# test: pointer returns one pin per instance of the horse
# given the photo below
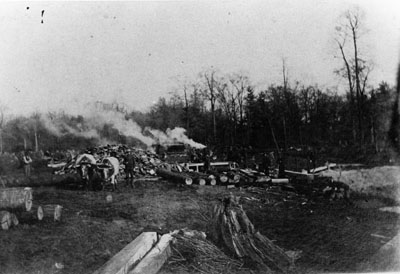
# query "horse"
(109, 170)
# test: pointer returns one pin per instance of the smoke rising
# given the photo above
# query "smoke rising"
(96, 116)
(171, 136)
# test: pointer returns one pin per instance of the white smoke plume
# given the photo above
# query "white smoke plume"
(125, 127)
(59, 127)
(175, 135)
(97, 115)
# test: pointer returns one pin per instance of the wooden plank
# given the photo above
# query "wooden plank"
(130, 255)
(322, 168)
(156, 258)
(299, 174)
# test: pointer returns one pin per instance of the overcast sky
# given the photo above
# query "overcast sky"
(131, 52)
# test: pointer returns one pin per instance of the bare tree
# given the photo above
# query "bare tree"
(212, 97)
(241, 84)
(356, 69)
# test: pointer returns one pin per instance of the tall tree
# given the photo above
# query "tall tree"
(356, 69)
(212, 97)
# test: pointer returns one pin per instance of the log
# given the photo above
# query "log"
(174, 176)
(5, 219)
(198, 177)
(280, 181)
(211, 180)
(16, 198)
(155, 259)
(42, 180)
(32, 216)
(233, 177)
(14, 219)
(322, 168)
(49, 211)
(231, 228)
(221, 178)
(299, 175)
(130, 255)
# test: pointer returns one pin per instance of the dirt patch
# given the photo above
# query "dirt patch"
(93, 229)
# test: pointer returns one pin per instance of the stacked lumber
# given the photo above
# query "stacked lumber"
(232, 229)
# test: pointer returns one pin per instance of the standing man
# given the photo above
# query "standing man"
(266, 163)
(206, 158)
(130, 168)
(27, 163)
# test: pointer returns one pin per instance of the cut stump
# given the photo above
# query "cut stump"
(5, 220)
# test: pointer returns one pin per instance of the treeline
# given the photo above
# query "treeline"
(228, 110)
(224, 111)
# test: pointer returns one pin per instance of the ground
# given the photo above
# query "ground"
(332, 235)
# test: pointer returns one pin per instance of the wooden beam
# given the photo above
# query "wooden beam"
(156, 258)
(130, 255)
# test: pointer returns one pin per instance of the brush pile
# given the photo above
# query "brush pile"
(193, 253)
(231, 228)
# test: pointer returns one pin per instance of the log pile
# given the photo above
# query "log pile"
(252, 177)
(175, 177)
(19, 202)
(232, 229)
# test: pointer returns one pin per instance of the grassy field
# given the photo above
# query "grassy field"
(333, 236)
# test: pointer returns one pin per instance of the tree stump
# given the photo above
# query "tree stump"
(16, 197)
(14, 219)
(5, 220)
(231, 228)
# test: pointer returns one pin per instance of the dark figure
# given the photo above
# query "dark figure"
(206, 159)
(130, 168)
(266, 163)
(281, 166)
(27, 160)
(310, 159)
